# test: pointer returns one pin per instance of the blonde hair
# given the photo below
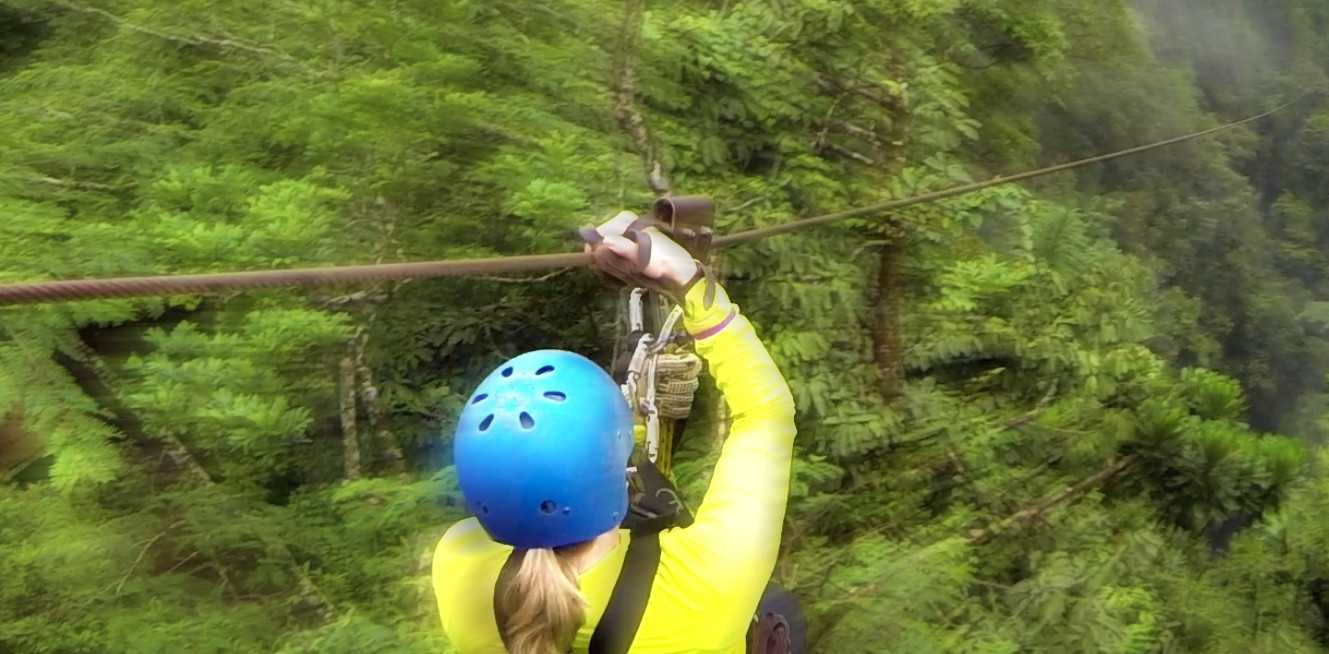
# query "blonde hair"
(540, 608)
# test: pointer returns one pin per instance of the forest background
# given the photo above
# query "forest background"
(1084, 414)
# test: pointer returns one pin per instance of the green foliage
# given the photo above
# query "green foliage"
(1091, 360)
(1212, 396)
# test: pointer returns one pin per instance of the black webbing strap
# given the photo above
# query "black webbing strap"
(655, 504)
(627, 604)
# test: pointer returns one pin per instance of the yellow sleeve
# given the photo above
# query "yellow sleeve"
(726, 557)
(466, 568)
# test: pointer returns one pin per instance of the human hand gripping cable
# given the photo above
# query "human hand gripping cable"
(636, 252)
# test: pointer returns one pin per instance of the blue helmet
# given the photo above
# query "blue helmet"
(542, 451)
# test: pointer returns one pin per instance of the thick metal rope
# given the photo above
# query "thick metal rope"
(883, 207)
(84, 289)
(87, 289)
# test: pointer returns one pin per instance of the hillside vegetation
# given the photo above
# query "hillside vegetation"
(1083, 414)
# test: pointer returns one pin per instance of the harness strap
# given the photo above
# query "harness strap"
(618, 626)
(655, 503)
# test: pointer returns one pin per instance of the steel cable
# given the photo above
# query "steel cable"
(87, 289)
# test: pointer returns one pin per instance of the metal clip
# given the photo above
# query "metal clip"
(636, 310)
(639, 383)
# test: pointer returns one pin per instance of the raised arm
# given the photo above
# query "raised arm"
(739, 521)
(741, 515)
(714, 571)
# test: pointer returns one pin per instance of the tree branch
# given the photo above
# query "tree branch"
(523, 280)
(142, 553)
(1037, 509)
(55, 181)
(861, 158)
(372, 295)
(185, 39)
(126, 24)
(383, 447)
(183, 561)
(626, 112)
(175, 449)
(887, 102)
(388, 451)
(1033, 413)
(748, 203)
(350, 433)
(859, 131)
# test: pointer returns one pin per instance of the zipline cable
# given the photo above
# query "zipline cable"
(87, 289)
(883, 207)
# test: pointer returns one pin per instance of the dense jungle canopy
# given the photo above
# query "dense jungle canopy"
(1082, 414)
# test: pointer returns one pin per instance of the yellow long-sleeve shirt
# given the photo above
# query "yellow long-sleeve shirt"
(711, 573)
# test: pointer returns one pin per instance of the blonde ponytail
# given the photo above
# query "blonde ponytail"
(540, 608)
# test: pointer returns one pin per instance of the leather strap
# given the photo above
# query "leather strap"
(703, 274)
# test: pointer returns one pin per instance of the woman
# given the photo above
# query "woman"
(542, 453)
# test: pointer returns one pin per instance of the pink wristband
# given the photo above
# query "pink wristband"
(712, 331)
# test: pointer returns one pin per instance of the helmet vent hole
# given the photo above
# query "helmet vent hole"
(480, 398)
(548, 506)
(544, 370)
(526, 420)
(484, 424)
(484, 509)
(557, 396)
(507, 372)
